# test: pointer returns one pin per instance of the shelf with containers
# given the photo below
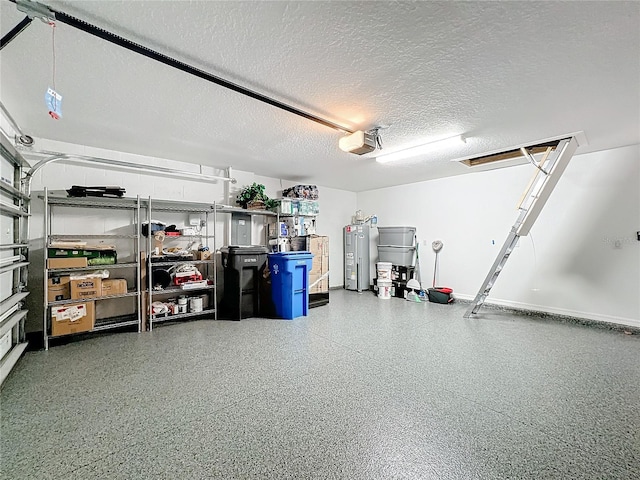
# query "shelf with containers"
(295, 218)
(15, 211)
(180, 279)
(91, 280)
(299, 230)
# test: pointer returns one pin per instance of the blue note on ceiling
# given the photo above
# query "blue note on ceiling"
(54, 103)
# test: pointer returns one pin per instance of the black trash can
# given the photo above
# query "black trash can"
(243, 273)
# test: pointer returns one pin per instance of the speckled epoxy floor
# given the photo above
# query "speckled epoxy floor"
(360, 389)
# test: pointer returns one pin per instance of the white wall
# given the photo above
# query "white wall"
(336, 206)
(581, 258)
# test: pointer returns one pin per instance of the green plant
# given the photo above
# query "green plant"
(270, 203)
(250, 193)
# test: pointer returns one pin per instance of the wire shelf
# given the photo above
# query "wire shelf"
(178, 316)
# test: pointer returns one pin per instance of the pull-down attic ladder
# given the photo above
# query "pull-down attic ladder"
(548, 172)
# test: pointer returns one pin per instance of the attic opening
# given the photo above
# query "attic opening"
(510, 154)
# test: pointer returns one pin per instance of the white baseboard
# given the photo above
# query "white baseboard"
(632, 322)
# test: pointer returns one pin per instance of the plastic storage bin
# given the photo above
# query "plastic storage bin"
(401, 236)
(290, 283)
(243, 267)
(396, 255)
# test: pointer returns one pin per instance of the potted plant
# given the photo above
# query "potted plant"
(271, 204)
(252, 197)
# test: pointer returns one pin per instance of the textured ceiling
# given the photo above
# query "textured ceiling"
(502, 73)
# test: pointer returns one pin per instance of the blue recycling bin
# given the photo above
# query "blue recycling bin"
(290, 283)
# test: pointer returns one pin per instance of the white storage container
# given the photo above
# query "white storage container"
(384, 289)
(383, 270)
(397, 255)
(400, 236)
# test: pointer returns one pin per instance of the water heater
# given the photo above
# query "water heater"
(356, 257)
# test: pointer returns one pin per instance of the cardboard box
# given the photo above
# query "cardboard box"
(322, 286)
(5, 344)
(58, 288)
(74, 262)
(206, 255)
(114, 286)
(58, 280)
(73, 318)
(319, 264)
(319, 247)
(86, 288)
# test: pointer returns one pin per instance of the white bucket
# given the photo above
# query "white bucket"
(384, 270)
(195, 304)
(384, 289)
(182, 305)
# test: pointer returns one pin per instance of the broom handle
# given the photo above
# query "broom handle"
(435, 268)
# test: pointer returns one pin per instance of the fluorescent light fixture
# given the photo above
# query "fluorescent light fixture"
(358, 142)
(420, 149)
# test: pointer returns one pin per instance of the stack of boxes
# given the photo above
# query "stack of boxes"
(73, 317)
(319, 247)
(80, 316)
(396, 245)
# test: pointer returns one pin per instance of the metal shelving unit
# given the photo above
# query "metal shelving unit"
(297, 215)
(15, 211)
(209, 211)
(317, 298)
(133, 205)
